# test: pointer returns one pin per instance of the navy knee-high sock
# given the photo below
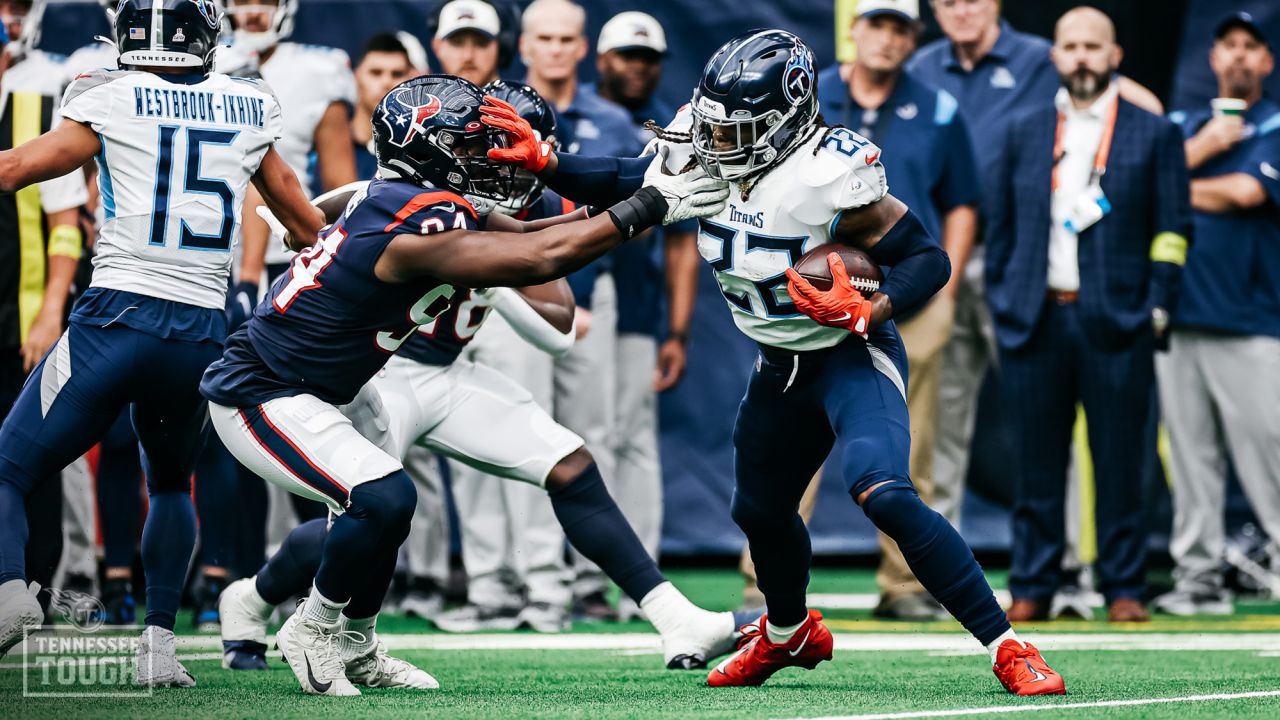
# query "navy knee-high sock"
(119, 491)
(290, 571)
(377, 508)
(217, 504)
(596, 528)
(13, 533)
(781, 551)
(939, 557)
(168, 539)
(251, 549)
(44, 528)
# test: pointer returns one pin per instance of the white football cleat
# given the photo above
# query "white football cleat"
(244, 626)
(19, 609)
(156, 663)
(311, 650)
(377, 669)
(701, 636)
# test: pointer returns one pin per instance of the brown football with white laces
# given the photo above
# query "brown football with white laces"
(864, 273)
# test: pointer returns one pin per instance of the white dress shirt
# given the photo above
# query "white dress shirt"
(1081, 134)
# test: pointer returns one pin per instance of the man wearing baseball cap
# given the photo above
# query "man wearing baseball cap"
(934, 172)
(466, 40)
(1220, 381)
(629, 55)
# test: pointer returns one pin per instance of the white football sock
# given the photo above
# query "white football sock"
(780, 634)
(349, 645)
(667, 608)
(993, 647)
(259, 606)
(321, 609)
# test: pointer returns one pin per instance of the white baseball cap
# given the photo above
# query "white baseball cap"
(468, 15)
(908, 10)
(631, 30)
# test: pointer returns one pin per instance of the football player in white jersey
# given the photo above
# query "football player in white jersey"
(831, 370)
(177, 147)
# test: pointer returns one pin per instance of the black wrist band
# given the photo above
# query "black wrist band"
(680, 337)
(639, 212)
(594, 210)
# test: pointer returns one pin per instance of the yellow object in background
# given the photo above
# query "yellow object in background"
(846, 11)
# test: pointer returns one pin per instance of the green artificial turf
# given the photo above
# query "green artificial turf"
(608, 684)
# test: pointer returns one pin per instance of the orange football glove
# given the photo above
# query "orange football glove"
(527, 150)
(840, 307)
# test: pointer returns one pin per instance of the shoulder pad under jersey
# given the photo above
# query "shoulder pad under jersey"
(842, 172)
(88, 80)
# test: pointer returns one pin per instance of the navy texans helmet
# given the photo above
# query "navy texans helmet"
(427, 130)
(757, 96)
(526, 187)
(167, 33)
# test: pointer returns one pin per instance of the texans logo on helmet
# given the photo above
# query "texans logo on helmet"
(404, 120)
(797, 79)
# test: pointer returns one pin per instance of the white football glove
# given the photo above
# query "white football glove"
(689, 195)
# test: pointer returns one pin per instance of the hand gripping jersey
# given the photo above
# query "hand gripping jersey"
(307, 79)
(329, 324)
(178, 152)
(791, 210)
(442, 340)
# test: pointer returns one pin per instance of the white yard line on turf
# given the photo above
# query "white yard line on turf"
(941, 643)
(1006, 709)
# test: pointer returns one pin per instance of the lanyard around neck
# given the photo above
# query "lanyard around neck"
(1104, 144)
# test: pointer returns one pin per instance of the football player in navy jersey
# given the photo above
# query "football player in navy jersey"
(402, 254)
(832, 369)
(475, 414)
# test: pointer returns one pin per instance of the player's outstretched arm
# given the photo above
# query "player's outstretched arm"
(473, 258)
(892, 235)
(283, 195)
(60, 151)
(586, 180)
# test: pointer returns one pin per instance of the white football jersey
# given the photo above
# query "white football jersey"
(790, 211)
(175, 163)
(307, 79)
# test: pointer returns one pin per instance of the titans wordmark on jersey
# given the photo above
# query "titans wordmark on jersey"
(791, 210)
(176, 160)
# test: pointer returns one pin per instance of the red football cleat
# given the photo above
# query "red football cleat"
(1023, 671)
(758, 658)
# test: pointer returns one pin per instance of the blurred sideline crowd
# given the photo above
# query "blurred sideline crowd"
(1119, 266)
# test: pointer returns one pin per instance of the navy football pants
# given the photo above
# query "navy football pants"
(797, 407)
(68, 404)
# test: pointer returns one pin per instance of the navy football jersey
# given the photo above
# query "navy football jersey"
(329, 324)
(441, 341)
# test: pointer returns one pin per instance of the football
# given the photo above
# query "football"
(864, 273)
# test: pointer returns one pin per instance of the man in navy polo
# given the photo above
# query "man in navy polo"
(929, 156)
(993, 71)
(1220, 380)
(651, 273)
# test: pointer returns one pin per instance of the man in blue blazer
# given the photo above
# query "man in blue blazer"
(1085, 246)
